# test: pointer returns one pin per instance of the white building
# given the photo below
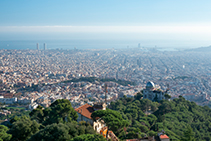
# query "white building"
(33, 106)
(8, 100)
(25, 101)
(151, 93)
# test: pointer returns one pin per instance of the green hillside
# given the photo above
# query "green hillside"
(176, 117)
(128, 118)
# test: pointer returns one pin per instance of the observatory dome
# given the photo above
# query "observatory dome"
(150, 85)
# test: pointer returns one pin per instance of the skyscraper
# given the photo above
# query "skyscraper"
(37, 46)
(139, 45)
(44, 46)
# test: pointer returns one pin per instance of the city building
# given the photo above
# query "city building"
(8, 100)
(33, 106)
(37, 46)
(44, 46)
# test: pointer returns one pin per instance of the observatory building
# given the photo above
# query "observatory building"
(151, 93)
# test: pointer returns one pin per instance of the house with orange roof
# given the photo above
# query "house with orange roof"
(164, 137)
(84, 114)
(160, 137)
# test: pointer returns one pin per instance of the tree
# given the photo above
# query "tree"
(167, 96)
(53, 132)
(89, 137)
(60, 110)
(188, 135)
(152, 133)
(156, 98)
(37, 114)
(14, 119)
(62, 132)
(63, 109)
(138, 96)
(76, 129)
(3, 133)
(23, 129)
(113, 119)
(133, 133)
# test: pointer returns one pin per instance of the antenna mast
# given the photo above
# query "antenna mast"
(167, 88)
(106, 93)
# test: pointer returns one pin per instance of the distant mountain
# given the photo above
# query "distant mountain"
(201, 49)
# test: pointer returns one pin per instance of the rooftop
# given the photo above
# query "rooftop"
(85, 110)
(150, 85)
(164, 137)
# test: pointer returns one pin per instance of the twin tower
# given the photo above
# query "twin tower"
(44, 46)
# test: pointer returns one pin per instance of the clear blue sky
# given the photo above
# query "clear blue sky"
(111, 19)
(102, 12)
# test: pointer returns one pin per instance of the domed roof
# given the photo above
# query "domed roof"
(150, 84)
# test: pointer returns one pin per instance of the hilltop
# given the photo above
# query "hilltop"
(201, 49)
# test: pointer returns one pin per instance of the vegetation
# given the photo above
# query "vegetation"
(15, 111)
(59, 111)
(89, 137)
(58, 122)
(3, 133)
(23, 129)
(113, 120)
(93, 79)
(181, 77)
(132, 110)
(128, 118)
(181, 119)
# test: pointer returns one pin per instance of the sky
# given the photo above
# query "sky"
(173, 20)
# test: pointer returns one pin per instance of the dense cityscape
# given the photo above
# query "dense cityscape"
(41, 76)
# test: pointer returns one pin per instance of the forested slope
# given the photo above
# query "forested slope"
(177, 117)
(128, 118)
(55, 123)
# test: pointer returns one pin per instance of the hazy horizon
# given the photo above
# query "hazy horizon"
(173, 24)
(99, 44)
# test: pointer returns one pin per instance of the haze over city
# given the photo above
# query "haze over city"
(169, 24)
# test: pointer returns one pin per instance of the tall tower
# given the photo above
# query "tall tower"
(139, 45)
(37, 46)
(106, 93)
(44, 46)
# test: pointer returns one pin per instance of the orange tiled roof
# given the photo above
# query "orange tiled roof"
(164, 137)
(85, 110)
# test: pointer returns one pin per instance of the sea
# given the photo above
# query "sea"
(90, 44)
(64, 44)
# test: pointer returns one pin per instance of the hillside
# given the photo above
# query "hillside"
(128, 118)
(175, 117)
(201, 49)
